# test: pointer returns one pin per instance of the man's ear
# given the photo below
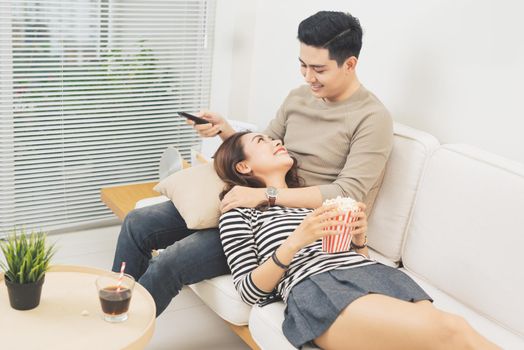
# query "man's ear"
(350, 64)
(242, 167)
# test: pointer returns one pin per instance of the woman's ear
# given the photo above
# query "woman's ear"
(242, 167)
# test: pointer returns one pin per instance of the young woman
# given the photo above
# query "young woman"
(337, 301)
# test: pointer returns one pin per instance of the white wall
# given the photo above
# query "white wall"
(232, 63)
(451, 68)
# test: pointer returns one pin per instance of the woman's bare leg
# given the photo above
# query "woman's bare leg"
(381, 322)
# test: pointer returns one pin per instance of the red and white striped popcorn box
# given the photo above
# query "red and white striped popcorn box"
(341, 242)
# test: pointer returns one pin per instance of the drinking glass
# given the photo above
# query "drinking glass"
(115, 294)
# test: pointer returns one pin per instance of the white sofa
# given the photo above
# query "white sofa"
(451, 217)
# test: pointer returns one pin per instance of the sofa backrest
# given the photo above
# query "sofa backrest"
(392, 209)
(466, 235)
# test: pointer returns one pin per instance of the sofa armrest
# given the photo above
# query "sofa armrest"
(123, 198)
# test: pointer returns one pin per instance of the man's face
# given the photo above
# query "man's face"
(326, 79)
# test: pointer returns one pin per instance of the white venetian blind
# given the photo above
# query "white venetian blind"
(89, 91)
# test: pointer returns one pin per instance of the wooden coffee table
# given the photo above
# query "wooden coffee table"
(69, 316)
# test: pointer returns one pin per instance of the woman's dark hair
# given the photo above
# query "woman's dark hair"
(338, 32)
(230, 153)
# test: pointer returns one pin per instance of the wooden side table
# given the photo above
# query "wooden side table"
(70, 317)
(122, 199)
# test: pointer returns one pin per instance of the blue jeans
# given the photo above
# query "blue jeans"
(190, 256)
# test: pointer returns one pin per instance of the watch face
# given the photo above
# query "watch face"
(271, 192)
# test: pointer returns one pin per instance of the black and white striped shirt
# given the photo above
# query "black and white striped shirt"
(249, 237)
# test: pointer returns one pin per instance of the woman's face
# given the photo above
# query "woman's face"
(265, 156)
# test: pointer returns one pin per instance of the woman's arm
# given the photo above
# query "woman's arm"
(267, 275)
(359, 229)
(236, 235)
(254, 281)
(361, 240)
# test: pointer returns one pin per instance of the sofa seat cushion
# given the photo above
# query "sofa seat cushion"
(265, 323)
(265, 326)
(489, 328)
(392, 209)
(466, 233)
(220, 295)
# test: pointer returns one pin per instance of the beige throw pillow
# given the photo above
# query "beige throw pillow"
(194, 191)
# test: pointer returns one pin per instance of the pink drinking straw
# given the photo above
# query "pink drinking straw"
(121, 276)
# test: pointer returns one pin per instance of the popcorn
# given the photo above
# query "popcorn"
(341, 242)
(344, 203)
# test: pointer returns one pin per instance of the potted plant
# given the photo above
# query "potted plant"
(26, 262)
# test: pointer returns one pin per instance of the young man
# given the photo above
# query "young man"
(339, 131)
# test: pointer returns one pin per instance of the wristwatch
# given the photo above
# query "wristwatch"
(271, 194)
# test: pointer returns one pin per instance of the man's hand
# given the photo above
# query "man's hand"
(245, 197)
(217, 125)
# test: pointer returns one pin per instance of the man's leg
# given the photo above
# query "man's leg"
(198, 257)
(153, 227)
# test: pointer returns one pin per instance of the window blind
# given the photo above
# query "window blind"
(89, 92)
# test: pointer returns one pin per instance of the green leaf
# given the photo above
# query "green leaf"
(26, 256)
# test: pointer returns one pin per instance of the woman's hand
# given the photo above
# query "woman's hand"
(217, 125)
(315, 226)
(359, 227)
(245, 197)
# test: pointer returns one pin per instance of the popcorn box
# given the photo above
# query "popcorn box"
(341, 242)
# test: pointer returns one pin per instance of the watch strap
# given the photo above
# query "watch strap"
(271, 194)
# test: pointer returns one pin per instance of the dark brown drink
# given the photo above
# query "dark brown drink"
(114, 302)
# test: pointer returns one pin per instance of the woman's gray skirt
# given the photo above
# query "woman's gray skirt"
(315, 303)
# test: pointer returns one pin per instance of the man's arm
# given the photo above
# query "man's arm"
(240, 196)
(369, 151)
(276, 128)
(304, 197)
(218, 125)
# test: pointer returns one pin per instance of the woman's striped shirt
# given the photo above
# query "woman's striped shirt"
(250, 236)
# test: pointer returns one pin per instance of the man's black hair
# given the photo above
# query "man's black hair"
(338, 32)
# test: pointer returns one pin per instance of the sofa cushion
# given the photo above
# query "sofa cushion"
(221, 296)
(194, 192)
(466, 233)
(265, 326)
(389, 219)
(493, 331)
(150, 201)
